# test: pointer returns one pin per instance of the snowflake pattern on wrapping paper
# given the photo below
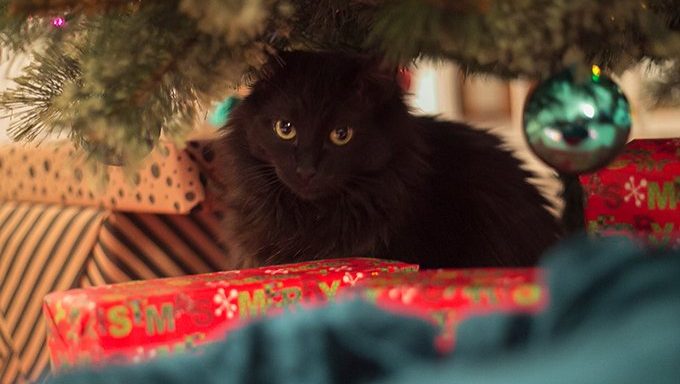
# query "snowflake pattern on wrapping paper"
(605, 220)
(79, 300)
(142, 354)
(645, 161)
(278, 271)
(139, 355)
(225, 303)
(405, 294)
(351, 280)
(594, 186)
(218, 284)
(635, 191)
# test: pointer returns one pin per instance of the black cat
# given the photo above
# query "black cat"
(323, 160)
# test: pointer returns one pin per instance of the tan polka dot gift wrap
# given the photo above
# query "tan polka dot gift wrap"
(167, 182)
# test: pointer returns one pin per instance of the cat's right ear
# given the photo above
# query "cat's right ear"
(377, 79)
(259, 80)
(377, 68)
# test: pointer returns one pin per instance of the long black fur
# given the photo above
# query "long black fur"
(436, 193)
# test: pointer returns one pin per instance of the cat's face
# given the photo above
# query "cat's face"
(323, 123)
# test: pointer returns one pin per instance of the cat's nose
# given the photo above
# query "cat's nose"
(305, 173)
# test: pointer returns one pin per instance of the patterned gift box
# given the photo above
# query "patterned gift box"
(168, 180)
(140, 320)
(637, 194)
(447, 297)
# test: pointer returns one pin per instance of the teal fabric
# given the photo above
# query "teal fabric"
(614, 317)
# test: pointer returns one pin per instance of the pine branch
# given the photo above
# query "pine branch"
(24, 8)
(142, 94)
(31, 105)
(121, 70)
(663, 89)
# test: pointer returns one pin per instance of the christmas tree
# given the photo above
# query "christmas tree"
(115, 73)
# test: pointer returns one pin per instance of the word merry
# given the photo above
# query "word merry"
(260, 301)
(160, 318)
(663, 195)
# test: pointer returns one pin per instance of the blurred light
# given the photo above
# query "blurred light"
(58, 22)
(588, 110)
(425, 92)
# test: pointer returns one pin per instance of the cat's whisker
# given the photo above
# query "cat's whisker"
(255, 173)
(258, 170)
(283, 246)
(261, 174)
(366, 180)
(302, 252)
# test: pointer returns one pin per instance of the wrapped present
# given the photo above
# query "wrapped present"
(168, 181)
(638, 193)
(139, 320)
(67, 223)
(447, 297)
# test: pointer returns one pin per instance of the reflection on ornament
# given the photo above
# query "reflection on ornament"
(588, 110)
(577, 126)
(58, 22)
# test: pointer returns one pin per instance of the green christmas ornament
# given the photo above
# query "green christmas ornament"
(577, 126)
(220, 114)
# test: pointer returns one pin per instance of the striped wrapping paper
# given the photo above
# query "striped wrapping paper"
(48, 248)
(43, 248)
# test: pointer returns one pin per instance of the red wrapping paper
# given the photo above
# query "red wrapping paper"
(136, 321)
(638, 194)
(447, 297)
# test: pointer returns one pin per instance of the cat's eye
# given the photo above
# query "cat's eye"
(284, 129)
(342, 135)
